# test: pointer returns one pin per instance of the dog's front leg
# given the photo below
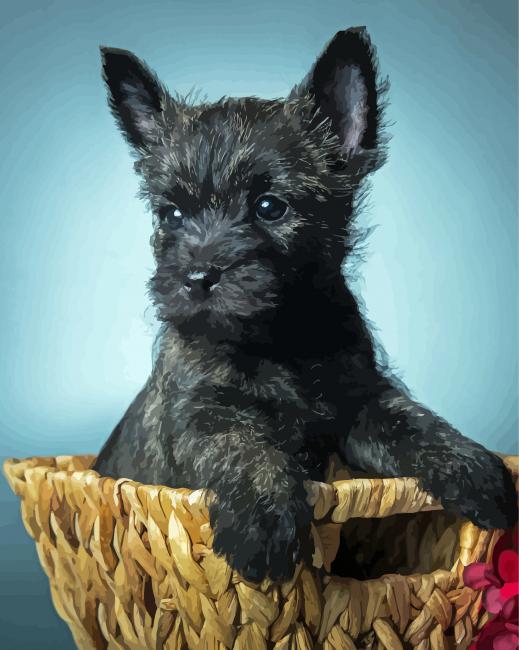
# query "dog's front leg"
(259, 515)
(395, 436)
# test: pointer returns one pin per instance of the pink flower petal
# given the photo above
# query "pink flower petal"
(510, 540)
(480, 576)
(485, 639)
(506, 641)
(510, 612)
(509, 590)
(492, 600)
(508, 566)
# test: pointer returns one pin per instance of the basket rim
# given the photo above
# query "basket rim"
(339, 500)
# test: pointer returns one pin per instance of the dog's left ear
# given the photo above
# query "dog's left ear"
(135, 95)
(343, 87)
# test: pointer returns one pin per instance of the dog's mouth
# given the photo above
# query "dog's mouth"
(200, 285)
(221, 293)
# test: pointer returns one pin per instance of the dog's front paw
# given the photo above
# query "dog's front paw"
(479, 487)
(260, 544)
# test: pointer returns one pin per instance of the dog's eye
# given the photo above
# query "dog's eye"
(172, 215)
(270, 208)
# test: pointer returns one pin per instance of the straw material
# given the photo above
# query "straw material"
(130, 566)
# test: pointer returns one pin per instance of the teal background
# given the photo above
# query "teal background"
(440, 280)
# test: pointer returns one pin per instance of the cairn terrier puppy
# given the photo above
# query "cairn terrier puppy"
(265, 365)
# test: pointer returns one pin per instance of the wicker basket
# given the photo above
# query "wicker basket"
(131, 566)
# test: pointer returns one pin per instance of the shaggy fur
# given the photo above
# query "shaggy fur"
(265, 365)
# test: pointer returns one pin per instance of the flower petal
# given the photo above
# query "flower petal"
(488, 633)
(480, 576)
(508, 566)
(506, 641)
(492, 600)
(510, 612)
(509, 540)
(509, 590)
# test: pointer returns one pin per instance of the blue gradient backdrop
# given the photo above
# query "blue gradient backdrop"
(440, 280)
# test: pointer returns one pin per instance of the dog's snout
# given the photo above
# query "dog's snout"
(199, 284)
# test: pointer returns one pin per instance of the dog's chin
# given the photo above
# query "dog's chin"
(202, 320)
(206, 322)
(212, 323)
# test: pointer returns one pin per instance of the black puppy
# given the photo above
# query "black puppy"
(265, 365)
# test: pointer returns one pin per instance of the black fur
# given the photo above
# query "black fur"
(255, 385)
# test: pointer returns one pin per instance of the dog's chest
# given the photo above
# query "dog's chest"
(290, 399)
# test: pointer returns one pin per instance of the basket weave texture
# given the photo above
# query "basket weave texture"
(130, 566)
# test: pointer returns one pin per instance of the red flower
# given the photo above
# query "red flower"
(502, 632)
(500, 584)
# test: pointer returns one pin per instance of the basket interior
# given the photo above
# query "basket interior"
(406, 544)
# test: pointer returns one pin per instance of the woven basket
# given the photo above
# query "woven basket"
(131, 566)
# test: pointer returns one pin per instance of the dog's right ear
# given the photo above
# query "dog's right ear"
(135, 95)
(342, 85)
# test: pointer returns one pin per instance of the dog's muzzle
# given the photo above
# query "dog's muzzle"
(199, 284)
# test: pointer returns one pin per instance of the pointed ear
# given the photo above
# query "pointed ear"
(135, 95)
(343, 87)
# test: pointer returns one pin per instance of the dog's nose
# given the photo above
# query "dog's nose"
(199, 284)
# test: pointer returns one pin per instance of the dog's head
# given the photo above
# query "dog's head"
(251, 197)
